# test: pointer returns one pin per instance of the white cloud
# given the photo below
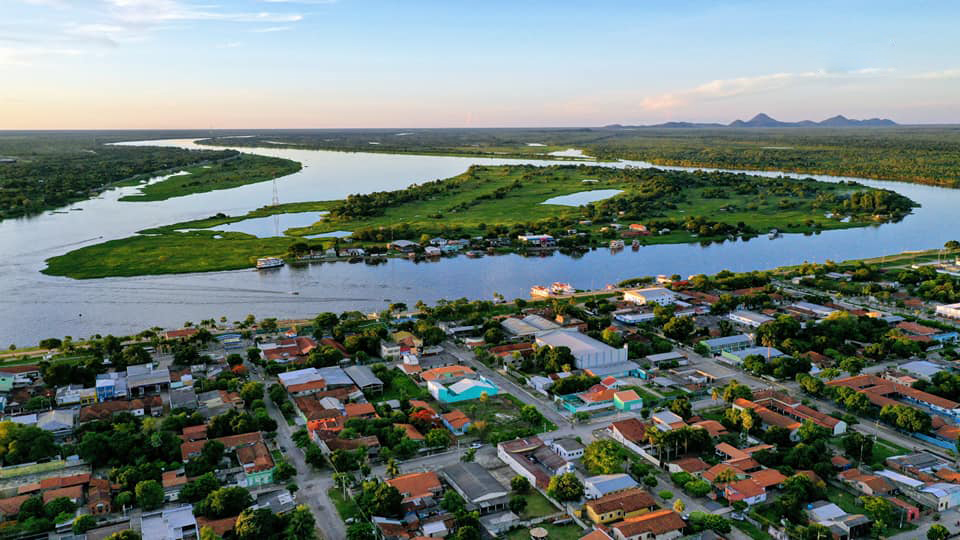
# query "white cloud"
(160, 11)
(271, 29)
(935, 75)
(727, 88)
(25, 56)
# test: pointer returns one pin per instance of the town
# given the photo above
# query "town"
(814, 402)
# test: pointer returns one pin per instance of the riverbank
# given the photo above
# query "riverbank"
(494, 205)
(225, 174)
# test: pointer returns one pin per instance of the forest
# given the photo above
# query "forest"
(43, 171)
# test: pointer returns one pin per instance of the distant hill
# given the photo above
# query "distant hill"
(765, 121)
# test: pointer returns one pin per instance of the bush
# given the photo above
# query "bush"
(681, 478)
(697, 488)
(665, 494)
(650, 480)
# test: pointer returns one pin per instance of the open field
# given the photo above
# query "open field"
(556, 532)
(239, 171)
(506, 201)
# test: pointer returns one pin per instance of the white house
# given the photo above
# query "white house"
(951, 311)
(649, 296)
(749, 318)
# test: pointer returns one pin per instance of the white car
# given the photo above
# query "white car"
(476, 445)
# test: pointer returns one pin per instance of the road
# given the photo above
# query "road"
(313, 486)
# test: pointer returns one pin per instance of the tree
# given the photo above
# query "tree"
(23, 443)
(735, 390)
(938, 532)
(381, 499)
(724, 477)
(393, 470)
(603, 456)
(300, 525)
(437, 438)
(256, 524)
(681, 406)
(125, 535)
(520, 484)
(207, 533)
(149, 494)
(361, 530)
(679, 328)
(223, 502)
(84, 523)
(452, 502)
(565, 487)
(697, 488)
(251, 391)
(284, 471)
(199, 487)
(469, 455)
(679, 506)
(60, 505)
(858, 446)
(517, 504)
(124, 499)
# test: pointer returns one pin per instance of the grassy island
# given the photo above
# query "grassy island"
(498, 203)
(230, 173)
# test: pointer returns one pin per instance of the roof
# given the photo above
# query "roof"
(65, 481)
(713, 427)
(656, 523)
(465, 385)
(230, 442)
(731, 451)
(627, 501)
(726, 340)
(72, 492)
(627, 396)
(596, 534)
(363, 376)
(768, 477)
(877, 484)
(743, 489)
(632, 429)
(575, 341)
(219, 526)
(473, 481)
(456, 418)
(609, 483)
(417, 485)
(359, 409)
(410, 431)
(446, 372)
(568, 444)
(917, 329)
(255, 458)
(692, 464)
(164, 524)
(174, 478)
(11, 505)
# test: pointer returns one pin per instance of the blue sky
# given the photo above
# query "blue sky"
(410, 63)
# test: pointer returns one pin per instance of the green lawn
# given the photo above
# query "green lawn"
(556, 532)
(537, 506)
(846, 501)
(345, 507)
(400, 387)
(751, 530)
(226, 174)
(501, 416)
(884, 449)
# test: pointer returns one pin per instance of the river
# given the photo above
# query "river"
(38, 306)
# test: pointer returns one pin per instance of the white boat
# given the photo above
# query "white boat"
(269, 262)
(616, 244)
(540, 291)
(562, 288)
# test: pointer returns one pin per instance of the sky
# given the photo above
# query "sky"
(231, 64)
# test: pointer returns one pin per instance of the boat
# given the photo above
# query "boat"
(269, 262)
(475, 254)
(773, 233)
(616, 244)
(562, 288)
(635, 244)
(540, 291)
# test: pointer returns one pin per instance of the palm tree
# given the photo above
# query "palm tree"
(393, 470)
(341, 481)
(724, 477)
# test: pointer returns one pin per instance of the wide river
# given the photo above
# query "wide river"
(36, 306)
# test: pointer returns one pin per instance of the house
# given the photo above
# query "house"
(10, 506)
(620, 504)
(257, 463)
(870, 484)
(919, 330)
(782, 404)
(739, 356)
(174, 524)
(411, 432)
(650, 296)
(173, 482)
(950, 311)
(533, 460)
(462, 390)
(746, 490)
(479, 489)
(691, 465)
(537, 240)
(810, 310)
(359, 410)
(657, 525)
(567, 448)
(844, 526)
(595, 487)
(403, 246)
(882, 392)
(457, 422)
(667, 420)
(419, 490)
(627, 400)
(631, 433)
(287, 350)
(184, 398)
(303, 382)
(60, 422)
(447, 374)
(945, 495)
(144, 380)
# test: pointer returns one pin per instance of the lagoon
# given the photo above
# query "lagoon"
(583, 197)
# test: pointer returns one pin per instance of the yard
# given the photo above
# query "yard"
(884, 449)
(499, 418)
(751, 530)
(537, 506)
(397, 385)
(556, 532)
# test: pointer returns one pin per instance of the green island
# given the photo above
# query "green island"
(919, 154)
(229, 173)
(491, 206)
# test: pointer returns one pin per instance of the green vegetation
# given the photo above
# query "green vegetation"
(346, 506)
(55, 169)
(505, 201)
(556, 532)
(537, 506)
(926, 155)
(242, 170)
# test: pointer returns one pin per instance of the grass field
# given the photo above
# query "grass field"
(751, 530)
(345, 507)
(226, 174)
(537, 506)
(508, 197)
(556, 532)
(884, 449)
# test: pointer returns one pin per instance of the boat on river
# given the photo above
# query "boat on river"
(264, 263)
(616, 244)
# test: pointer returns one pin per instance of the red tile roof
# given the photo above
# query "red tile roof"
(457, 419)
(417, 485)
(655, 523)
(354, 410)
(11, 505)
(72, 492)
(446, 372)
(255, 458)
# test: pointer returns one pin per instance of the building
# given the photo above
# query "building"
(479, 489)
(728, 343)
(567, 448)
(918, 330)
(60, 422)
(419, 490)
(671, 358)
(650, 296)
(595, 487)
(882, 392)
(403, 246)
(527, 326)
(287, 350)
(588, 352)
(922, 369)
(737, 357)
(144, 380)
(111, 385)
(658, 525)
(746, 490)
(457, 422)
(946, 495)
(627, 400)
(785, 405)
(364, 378)
(537, 240)
(251, 452)
(76, 394)
(462, 390)
(447, 374)
(631, 433)
(174, 524)
(749, 318)
(533, 460)
(811, 310)
(950, 311)
(303, 382)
